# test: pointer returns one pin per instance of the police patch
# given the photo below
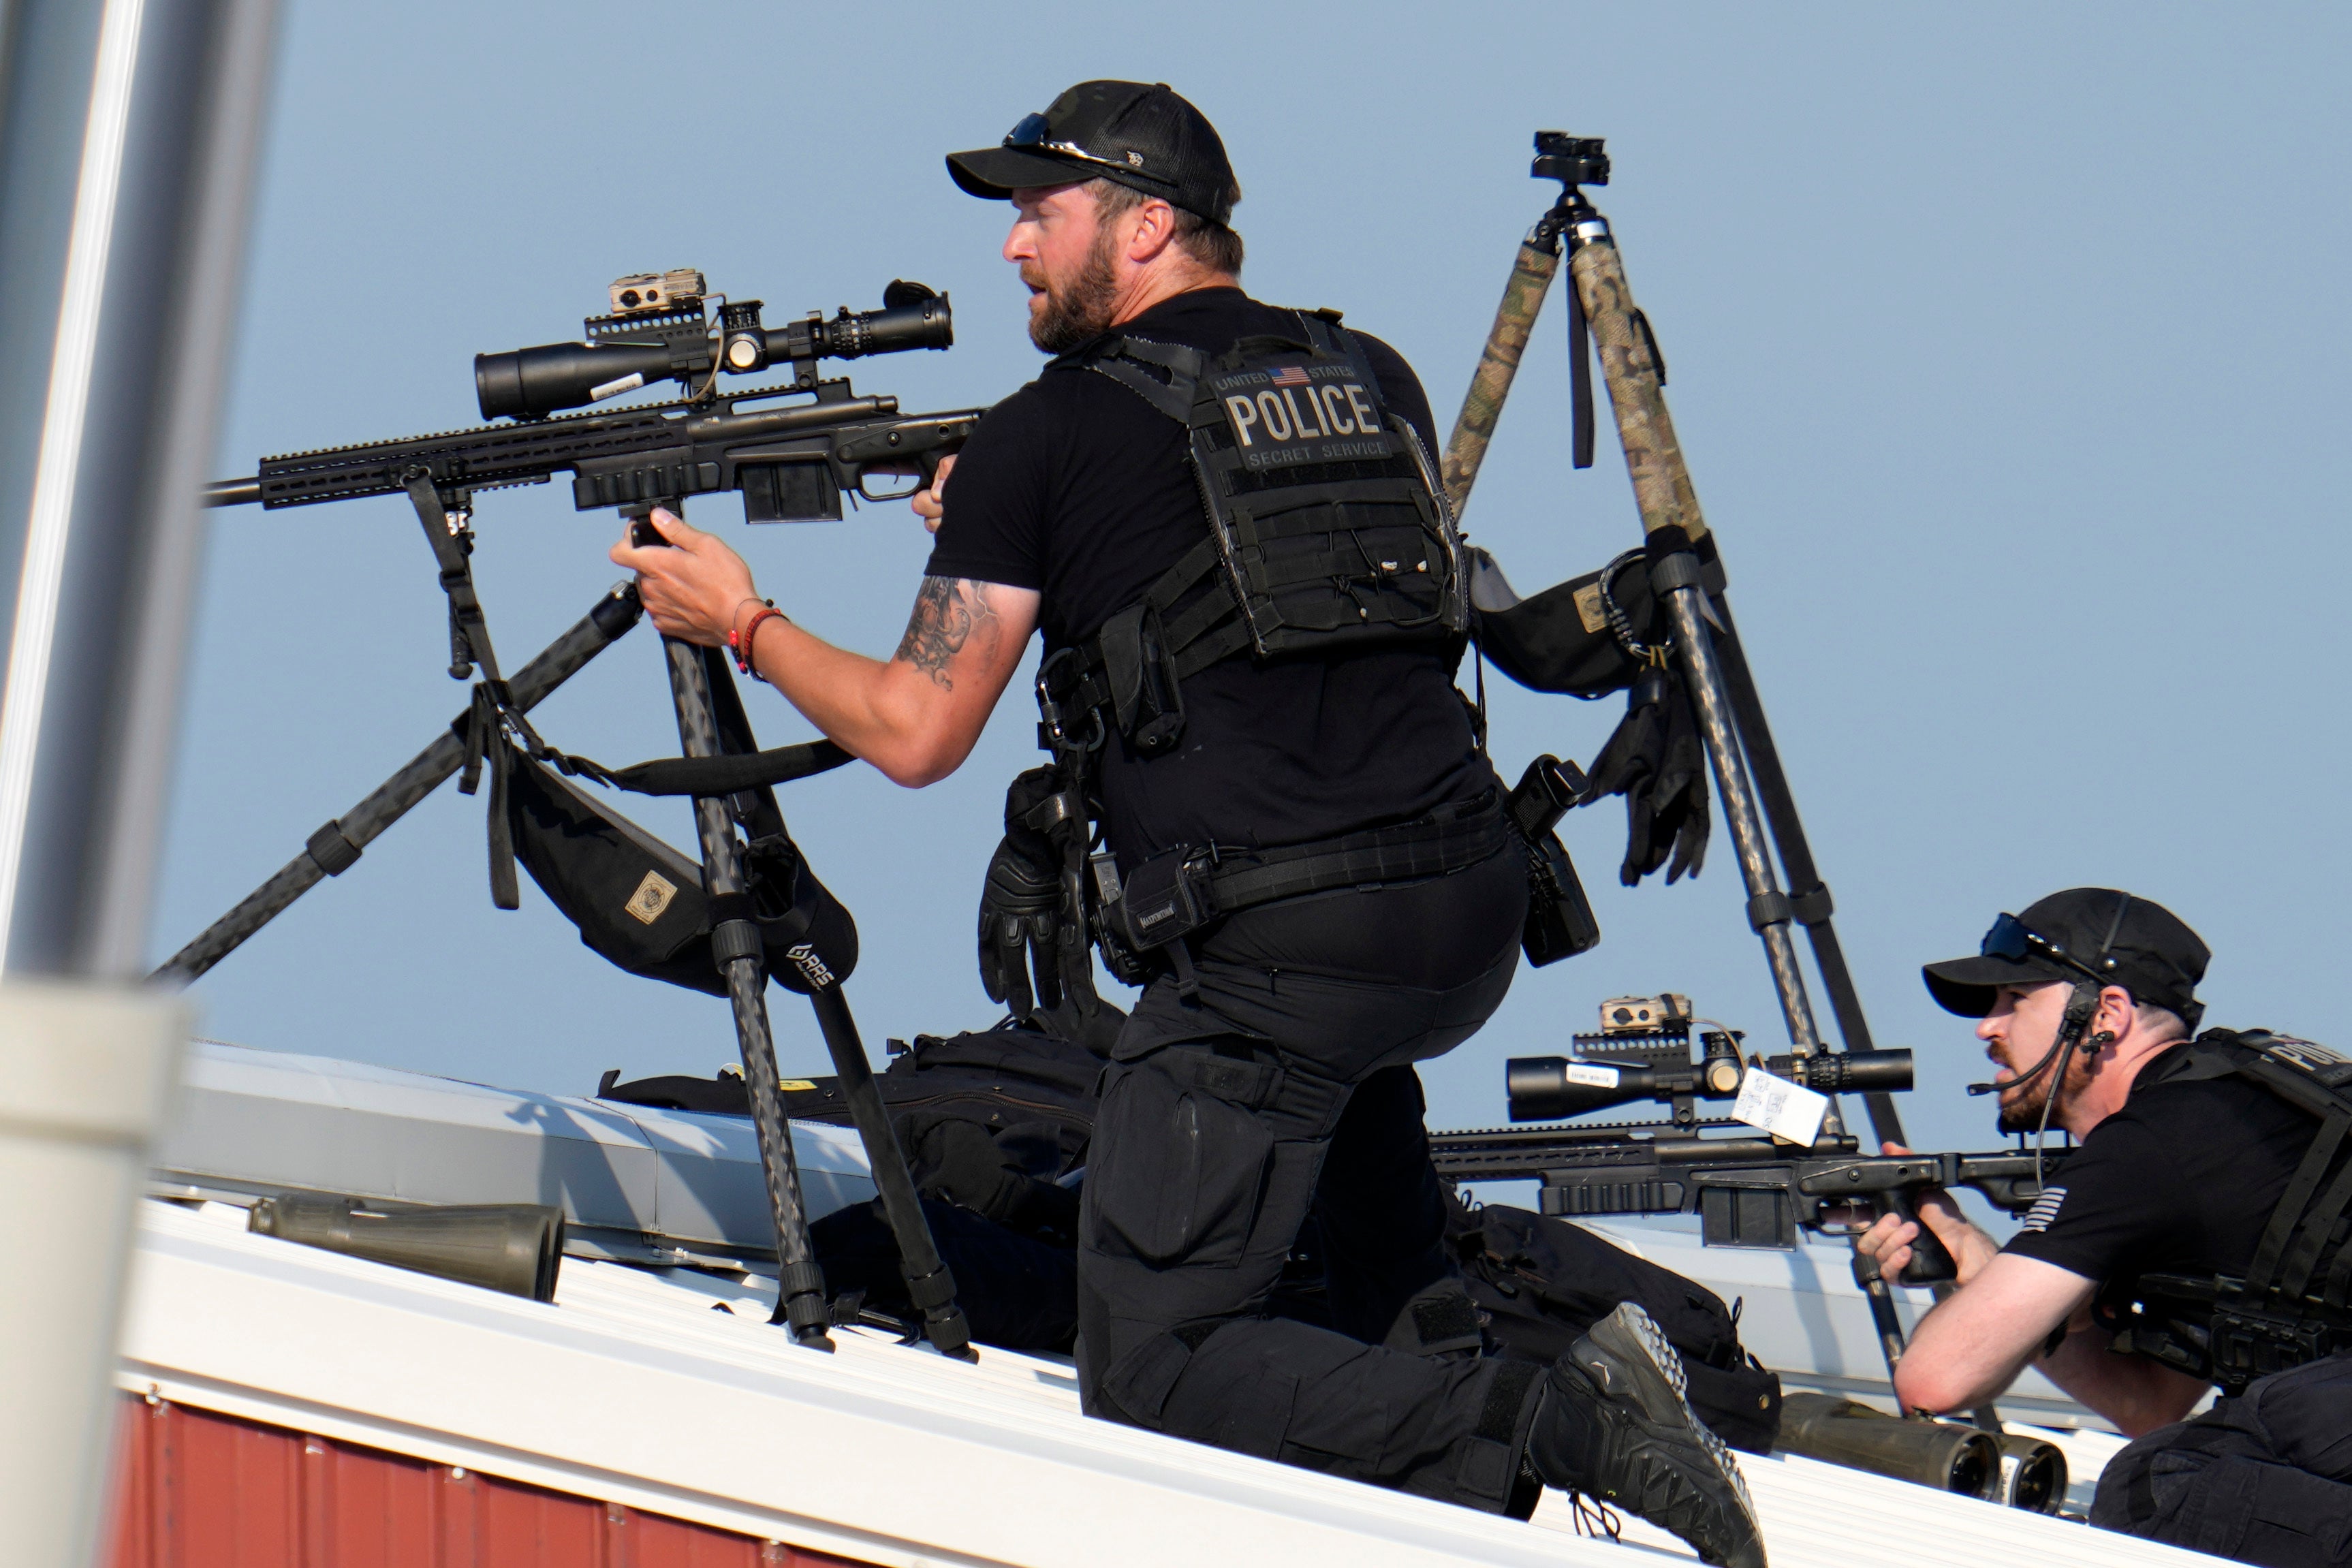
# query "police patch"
(2044, 1209)
(1285, 412)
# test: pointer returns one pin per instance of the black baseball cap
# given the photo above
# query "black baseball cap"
(2097, 934)
(1138, 134)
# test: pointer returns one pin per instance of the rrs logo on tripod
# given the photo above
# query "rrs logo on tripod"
(813, 968)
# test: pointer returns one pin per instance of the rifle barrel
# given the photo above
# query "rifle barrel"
(234, 492)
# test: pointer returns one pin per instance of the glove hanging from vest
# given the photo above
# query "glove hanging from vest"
(1654, 759)
(1021, 906)
(1029, 923)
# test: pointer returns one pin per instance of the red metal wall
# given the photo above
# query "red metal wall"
(194, 1489)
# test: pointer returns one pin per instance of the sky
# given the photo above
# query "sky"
(2009, 348)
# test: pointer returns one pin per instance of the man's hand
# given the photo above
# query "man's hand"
(930, 503)
(693, 587)
(1888, 1242)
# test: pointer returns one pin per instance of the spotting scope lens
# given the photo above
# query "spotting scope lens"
(1545, 1089)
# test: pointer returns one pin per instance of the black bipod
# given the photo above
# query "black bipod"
(710, 714)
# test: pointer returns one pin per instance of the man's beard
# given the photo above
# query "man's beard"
(2022, 1113)
(1081, 312)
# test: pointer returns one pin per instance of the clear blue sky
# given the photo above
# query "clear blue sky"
(2009, 346)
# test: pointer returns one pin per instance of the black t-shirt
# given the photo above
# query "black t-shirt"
(1076, 487)
(2180, 1181)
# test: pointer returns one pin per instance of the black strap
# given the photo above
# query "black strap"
(720, 775)
(2318, 1228)
(1430, 848)
(2262, 1273)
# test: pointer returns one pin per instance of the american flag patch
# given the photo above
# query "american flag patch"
(2044, 1209)
(1290, 375)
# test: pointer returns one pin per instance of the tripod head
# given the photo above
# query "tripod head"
(1573, 161)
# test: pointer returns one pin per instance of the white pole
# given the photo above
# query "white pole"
(128, 131)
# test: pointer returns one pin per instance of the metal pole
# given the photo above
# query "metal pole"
(127, 138)
(335, 848)
(800, 1282)
(123, 246)
(928, 1284)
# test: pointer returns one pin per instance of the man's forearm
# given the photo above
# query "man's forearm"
(885, 712)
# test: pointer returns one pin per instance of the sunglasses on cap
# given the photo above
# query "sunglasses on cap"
(2013, 940)
(1035, 134)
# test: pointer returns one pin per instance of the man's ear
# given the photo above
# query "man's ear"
(1154, 231)
(2116, 1015)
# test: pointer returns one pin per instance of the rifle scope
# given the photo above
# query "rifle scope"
(1545, 1089)
(673, 339)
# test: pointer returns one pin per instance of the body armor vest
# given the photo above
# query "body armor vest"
(1327, 531)
(2294, 1304)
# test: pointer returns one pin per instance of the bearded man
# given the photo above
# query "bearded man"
(1220, 515)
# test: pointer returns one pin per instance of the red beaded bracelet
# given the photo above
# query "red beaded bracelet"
(739, 643)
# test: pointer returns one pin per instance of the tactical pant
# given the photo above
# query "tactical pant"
(2264, 1479)
(1222, 1120)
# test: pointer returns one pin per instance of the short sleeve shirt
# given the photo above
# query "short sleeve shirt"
(2180, 1181)
(1079, 488)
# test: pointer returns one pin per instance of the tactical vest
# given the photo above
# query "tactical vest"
(1326, 533)
(2294, 1304)
(1326, 529)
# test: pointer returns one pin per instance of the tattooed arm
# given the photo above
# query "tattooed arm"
(914, 716)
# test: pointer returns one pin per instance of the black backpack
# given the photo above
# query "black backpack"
(1543, 1282)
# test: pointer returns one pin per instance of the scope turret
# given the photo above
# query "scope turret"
(663, 333)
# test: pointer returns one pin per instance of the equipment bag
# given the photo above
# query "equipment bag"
(1543, 1282)
(1585, 637)
(640, 903)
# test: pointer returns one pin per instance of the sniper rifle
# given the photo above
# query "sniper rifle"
(1748, 1187)
(791, 463)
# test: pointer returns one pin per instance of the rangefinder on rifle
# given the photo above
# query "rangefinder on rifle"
(1748, 1187)
(791, 460)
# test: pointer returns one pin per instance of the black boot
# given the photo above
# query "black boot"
(1614, 1425)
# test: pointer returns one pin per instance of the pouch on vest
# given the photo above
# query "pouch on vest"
(1165, 899)
(1144, 694)
(640, 904)
(1560, 923)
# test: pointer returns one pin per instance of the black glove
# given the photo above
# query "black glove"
(1655, 761)
(1022, 912)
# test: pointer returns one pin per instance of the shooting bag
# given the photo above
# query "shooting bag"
(639, 903)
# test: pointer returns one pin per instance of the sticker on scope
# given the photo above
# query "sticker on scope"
(1589, 1076)
(1785, 1109)
(1285, 415)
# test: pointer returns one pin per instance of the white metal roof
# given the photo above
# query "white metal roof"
(631, 1387)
